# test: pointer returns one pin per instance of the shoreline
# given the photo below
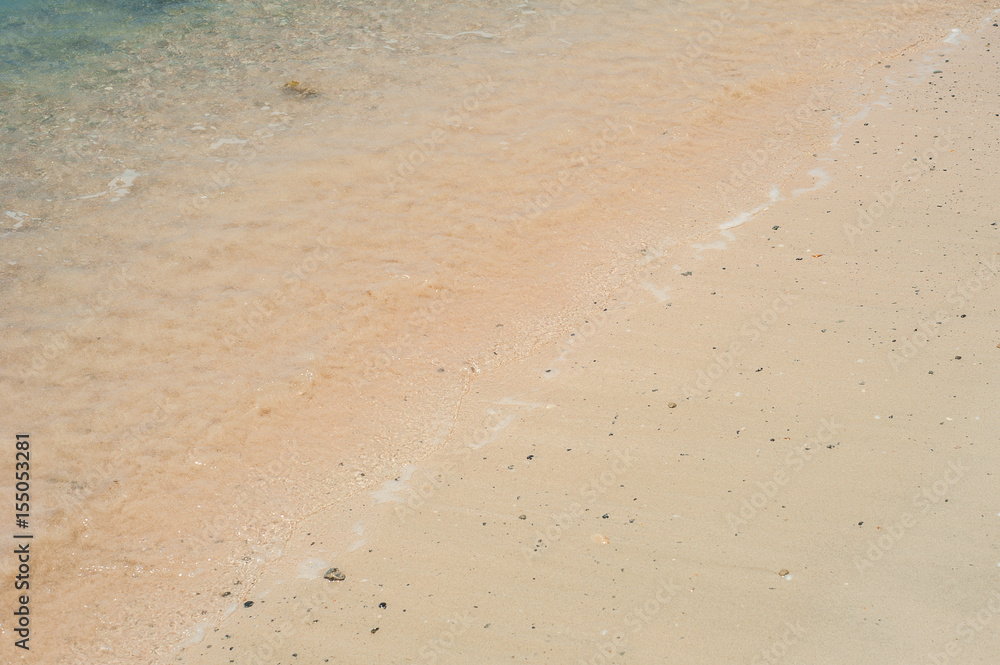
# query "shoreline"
(650, 529)
(271, 400)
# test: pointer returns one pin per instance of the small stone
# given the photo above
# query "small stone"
(775, 228)
(226, 593)
(334, 575)
(249, 603)
(672, 405)
(783, 572)
(381, 606)
(522, 517)
(374, 630)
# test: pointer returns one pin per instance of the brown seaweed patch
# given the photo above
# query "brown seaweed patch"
(301, 89)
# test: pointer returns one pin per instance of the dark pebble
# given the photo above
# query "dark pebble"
(382, 606)
(374, 630)
(249, 603)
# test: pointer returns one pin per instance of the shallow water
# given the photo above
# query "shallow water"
(229, 302)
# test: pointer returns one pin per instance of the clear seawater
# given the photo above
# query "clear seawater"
(229, 299)
(39, 36)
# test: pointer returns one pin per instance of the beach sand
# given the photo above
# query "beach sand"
(576, 331)
(778, 444)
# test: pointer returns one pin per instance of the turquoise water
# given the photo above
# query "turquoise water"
(211, 283)
(89, 89)
(38, 36)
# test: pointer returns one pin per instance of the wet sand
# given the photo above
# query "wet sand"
(234, 313)
(776, 444)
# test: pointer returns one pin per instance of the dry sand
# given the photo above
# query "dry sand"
(824, 490)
